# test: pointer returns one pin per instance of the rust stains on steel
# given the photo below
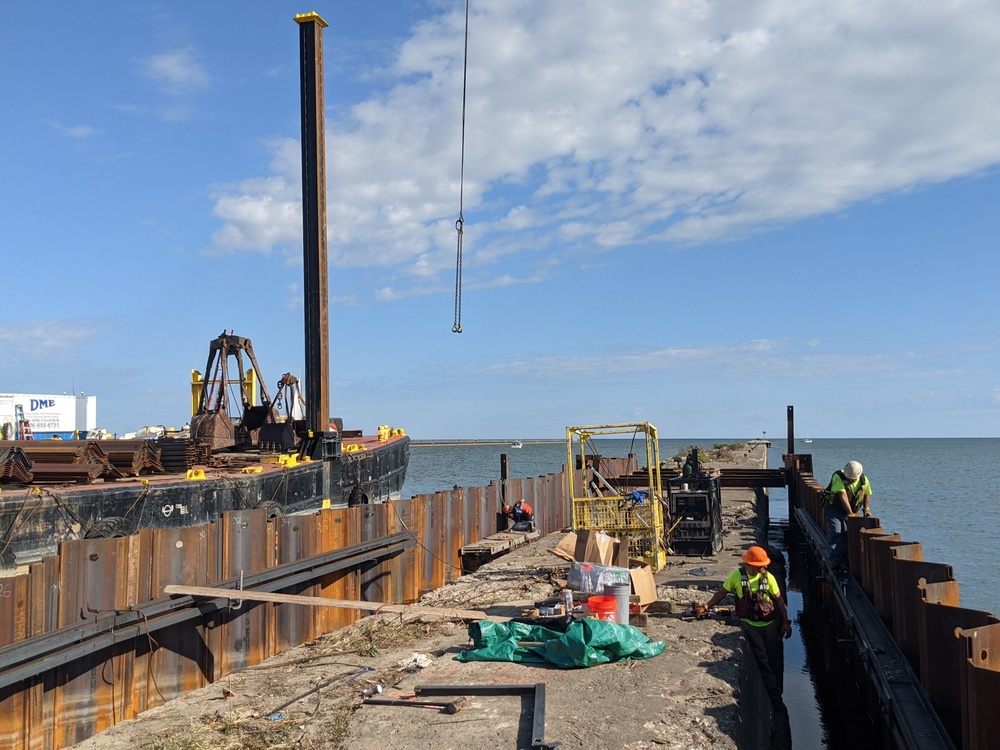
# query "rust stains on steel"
(87, 639)
(84, 461)
(314, 240)
(940, 691)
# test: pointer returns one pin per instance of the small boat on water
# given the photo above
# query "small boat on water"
(517, 444)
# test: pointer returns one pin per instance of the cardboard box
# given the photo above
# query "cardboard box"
(594, 547)
(643, 584)
(620, 556)
(566, 547)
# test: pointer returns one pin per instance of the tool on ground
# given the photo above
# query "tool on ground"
(538, 709)
(451, 707)
(325, 683)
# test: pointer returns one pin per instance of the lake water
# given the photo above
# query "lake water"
(944, 493)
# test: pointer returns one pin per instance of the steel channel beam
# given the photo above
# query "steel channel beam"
(314, 237)
(728, 478)
(288, 574)
(537, 690)
(908, 711)
(37, 655)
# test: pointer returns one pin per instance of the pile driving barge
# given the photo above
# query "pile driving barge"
(57, 490)
(257, 460)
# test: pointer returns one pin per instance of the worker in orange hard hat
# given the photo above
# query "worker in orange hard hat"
(520, 512)
(762, 614)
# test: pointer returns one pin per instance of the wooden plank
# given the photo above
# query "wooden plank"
(318, 601)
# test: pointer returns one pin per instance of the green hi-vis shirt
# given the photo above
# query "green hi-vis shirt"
(734, 585)
(855, 492)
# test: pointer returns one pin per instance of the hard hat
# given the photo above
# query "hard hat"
(756, 556)
(506, 509)
(853, 470)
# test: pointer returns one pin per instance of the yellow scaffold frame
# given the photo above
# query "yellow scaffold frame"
(620, 515)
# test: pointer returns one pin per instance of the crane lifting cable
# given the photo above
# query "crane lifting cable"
(460, 224)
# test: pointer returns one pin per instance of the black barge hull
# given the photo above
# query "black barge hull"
(35, 519)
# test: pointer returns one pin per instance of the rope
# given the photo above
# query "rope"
(460, 224)
(413, 535)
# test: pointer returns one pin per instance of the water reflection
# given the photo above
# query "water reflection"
(825, 708)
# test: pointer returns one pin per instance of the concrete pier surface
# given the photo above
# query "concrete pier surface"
(684, 698)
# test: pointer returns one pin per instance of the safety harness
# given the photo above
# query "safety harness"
(830, 497)
(755, 605)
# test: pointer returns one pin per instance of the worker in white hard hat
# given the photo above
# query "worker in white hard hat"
(848, 493)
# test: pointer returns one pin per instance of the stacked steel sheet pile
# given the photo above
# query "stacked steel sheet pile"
(15, 466)
(81, 461)
(134, 457)
(177, 455)
(68, 461)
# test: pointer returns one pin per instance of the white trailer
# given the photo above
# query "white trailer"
(63, 416)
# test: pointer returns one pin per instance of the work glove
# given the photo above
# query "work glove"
(786, 628)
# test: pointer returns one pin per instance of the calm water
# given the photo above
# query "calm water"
(944, 493)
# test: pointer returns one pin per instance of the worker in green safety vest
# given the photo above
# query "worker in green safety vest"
(848, 493)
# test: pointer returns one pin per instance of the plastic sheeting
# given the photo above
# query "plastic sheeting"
(584, 644)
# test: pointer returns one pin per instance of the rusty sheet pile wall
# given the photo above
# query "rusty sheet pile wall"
(88, 639)
(955, 651)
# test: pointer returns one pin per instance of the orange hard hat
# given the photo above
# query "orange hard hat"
(756, 556)
(506, 509)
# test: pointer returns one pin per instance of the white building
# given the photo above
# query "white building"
(50, 416)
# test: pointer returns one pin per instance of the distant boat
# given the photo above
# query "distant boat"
(808, 440)
(517, 444)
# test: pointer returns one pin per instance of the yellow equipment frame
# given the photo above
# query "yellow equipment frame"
(620, 515)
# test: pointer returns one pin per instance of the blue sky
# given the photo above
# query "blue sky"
(686, 213)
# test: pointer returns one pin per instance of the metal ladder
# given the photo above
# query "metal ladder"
(23, 425)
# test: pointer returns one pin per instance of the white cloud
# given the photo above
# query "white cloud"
(760, 358)
(76, 131)
(597, 125)
(33, 346)
(177, 72)
(262, 213)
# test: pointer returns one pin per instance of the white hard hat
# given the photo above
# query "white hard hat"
(853, 470)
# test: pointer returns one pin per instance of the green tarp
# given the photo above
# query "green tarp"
(584, 644)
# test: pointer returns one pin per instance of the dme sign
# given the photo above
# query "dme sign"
(42, 403)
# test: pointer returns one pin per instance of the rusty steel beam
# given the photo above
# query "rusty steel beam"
(941, 652)
(27, 658)
(907, 575)
(883, 561)
(314, 239)
(908, 714)
(728, 477)
(980, 687)
(790, 421)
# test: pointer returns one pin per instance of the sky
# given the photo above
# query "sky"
(681, 212)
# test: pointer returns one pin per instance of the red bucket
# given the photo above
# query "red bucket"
(603, 606)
